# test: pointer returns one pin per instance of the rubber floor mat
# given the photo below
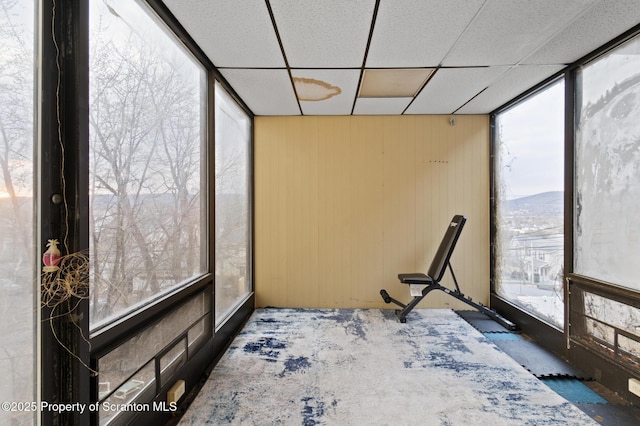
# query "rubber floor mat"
(481, 322)
(502, 336)
(539, 361)
(573, 390)
(611, 414)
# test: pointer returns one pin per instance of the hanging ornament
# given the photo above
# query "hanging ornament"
(51, 257)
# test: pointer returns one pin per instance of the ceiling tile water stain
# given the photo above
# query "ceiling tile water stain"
(309, 89)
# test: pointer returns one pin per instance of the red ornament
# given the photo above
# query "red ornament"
(51, 257)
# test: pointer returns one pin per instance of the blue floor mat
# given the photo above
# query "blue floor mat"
(501, 336)
(564, 382)
(573, 390)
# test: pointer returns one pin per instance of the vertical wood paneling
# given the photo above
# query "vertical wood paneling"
(334, 211)
(367, 195)
(344, 204)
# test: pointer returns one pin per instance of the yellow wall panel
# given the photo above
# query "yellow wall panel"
(344, 204)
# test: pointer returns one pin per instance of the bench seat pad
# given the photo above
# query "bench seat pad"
(415, 278)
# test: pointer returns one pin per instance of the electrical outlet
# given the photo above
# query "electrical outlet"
(175, 393)
(634, 386)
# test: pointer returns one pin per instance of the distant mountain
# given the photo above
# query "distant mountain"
(543, 204)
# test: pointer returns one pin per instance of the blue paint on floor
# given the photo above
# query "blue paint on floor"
(313, 411)
(267, 347)
(293, 365)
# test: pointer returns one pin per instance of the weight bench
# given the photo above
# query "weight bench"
(431, 280)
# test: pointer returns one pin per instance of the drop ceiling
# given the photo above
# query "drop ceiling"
(309, 57)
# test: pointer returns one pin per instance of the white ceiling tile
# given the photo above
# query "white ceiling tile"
(380, 106)
(512, 83)
(596, 26)
(231, 33)
(418, 33)
(266, 92)
(450, 88)
(332, 34)
(393, 82)
(506, 31)
(323, 34)
(343, 81)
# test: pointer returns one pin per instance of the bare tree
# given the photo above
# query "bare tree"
(148, 168)
(145, 173)
(17, 260)
(16, 121)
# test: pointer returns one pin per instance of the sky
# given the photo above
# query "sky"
(533, 133)
(534, 130)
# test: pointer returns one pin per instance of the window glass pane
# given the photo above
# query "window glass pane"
(529, 177)
(198, 333)
(17, 220)
(172, 361)
(147, 133)
(138, 389)
(615, 314)
(127, 358)
(233, 139)
(613, 325)
(607, 233)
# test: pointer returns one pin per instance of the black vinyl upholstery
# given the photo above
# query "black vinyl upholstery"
(442, 256)
(431, 280)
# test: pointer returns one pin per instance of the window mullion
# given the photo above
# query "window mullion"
(63, 204)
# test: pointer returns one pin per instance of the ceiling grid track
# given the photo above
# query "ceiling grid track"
(284, 54)
(374, 17)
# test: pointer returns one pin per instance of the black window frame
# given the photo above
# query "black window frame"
(493, 183)
(560, 341)
(64, 107)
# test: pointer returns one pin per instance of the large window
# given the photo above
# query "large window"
(529, 190)
(18, 261)
(607, 233)
(147, 167)
(607, 173)
(233, 140)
